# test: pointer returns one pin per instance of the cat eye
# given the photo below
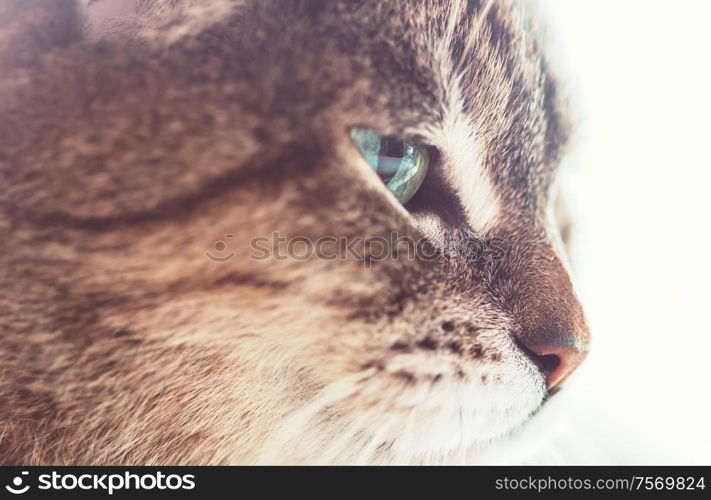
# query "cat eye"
(400, 163)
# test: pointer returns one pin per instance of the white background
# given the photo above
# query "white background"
(640, 186)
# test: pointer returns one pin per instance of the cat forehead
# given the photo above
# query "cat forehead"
(503, 125)
(470, 77)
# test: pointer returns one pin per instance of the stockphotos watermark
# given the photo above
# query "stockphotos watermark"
(108, 483)
(365, 249)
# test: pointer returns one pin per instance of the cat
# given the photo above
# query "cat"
(142, 170)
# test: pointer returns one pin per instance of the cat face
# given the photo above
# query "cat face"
(166, 190)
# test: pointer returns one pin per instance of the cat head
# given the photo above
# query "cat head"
(200, 250)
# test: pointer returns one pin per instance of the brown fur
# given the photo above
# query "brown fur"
(123, 160)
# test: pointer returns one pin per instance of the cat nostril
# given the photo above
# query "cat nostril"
(549, 362)
(556, 362)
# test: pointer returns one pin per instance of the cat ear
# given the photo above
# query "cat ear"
(104, 17)
(166, 22)
(30, 28)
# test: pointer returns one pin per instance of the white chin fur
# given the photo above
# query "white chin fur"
(382, 415)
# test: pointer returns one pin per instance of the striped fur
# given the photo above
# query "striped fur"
(125, 157)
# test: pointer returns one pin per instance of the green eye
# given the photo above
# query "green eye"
(401, 164)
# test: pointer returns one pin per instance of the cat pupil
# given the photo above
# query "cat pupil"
(394, 148)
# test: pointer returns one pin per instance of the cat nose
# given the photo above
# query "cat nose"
(557, 361)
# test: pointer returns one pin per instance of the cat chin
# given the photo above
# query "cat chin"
(404, 413)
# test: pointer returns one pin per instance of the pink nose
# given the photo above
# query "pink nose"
(556, 361)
